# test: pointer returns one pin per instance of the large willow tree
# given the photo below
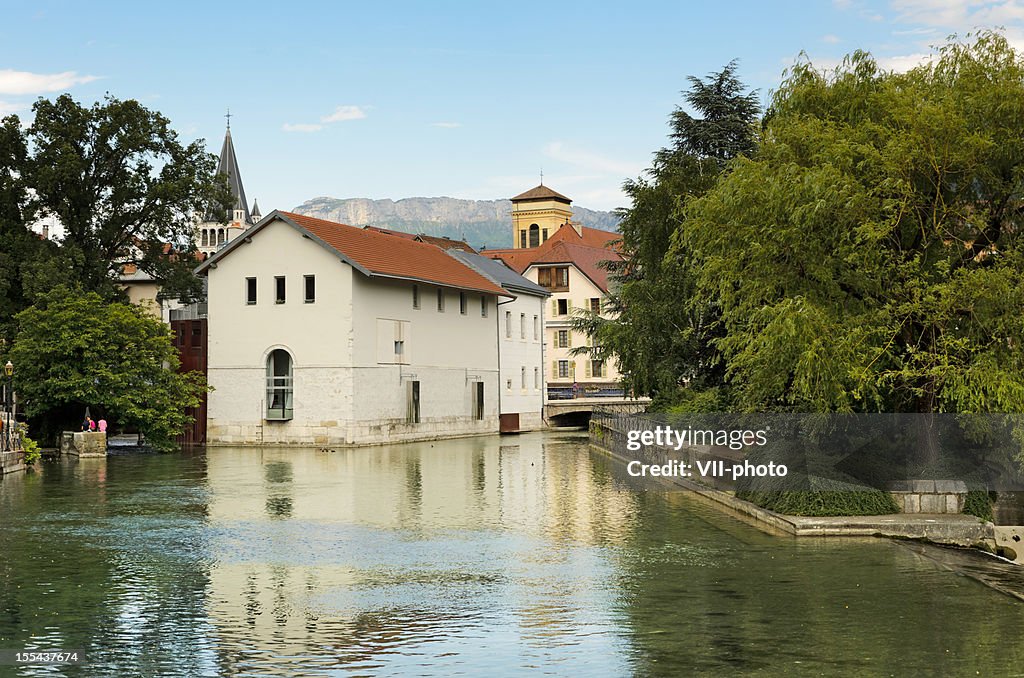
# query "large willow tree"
(868, 256)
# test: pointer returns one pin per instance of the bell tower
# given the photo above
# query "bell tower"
(537, 214)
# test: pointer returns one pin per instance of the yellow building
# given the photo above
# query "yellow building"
(537, 214)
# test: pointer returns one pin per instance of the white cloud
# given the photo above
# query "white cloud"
(557, 150)
(446, 125)
(301, 127)
(831, 39)
(344, 113)
(23, 82)
(9, 107)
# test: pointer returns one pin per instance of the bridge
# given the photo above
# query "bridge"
(577, 411)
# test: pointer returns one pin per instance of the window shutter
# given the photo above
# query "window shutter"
(568, 304)
(568, 335)
(572, 368)
(554, 369)
(554, 307)
(588, 372)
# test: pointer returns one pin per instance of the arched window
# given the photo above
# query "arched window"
(206, 238)
(534, 235)
(220, 236)
(279, 385)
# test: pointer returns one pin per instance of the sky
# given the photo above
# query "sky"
(461, 99)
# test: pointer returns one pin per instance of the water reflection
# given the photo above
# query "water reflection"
(505, 555)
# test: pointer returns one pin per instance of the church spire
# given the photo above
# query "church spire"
(228, 166)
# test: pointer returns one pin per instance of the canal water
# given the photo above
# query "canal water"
(498, 556)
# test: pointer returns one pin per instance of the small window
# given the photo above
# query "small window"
(279, 289)
(534, 235)
(563, 369)
(536, 328)
(415, 296)
(206, 238)
(522, 378)
(522, 326)
(562, 339)
(536, 378)
(440, 300)
(310, 285)
(595, 305)
(508, 324)
(544, 235)
(197, 335)
(597, 368)
(483, 306)
(462, 303)
(508, 384)
(250, 291)
(522, 239)
(563, 307)
(399, 350)
(412, 395)
(562, 278)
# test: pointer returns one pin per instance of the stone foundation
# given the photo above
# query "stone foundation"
(929, 496)
(83, 444)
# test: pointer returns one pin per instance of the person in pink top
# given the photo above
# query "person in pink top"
(103, 425)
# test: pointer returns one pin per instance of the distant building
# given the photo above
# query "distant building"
(566, 259)
(212, 233)
(325, 334)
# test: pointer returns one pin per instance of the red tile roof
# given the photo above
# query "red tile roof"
(442, 242)
(567, 246)
(378, 254)
(388, 231)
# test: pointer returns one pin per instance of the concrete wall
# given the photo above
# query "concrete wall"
(522, 350)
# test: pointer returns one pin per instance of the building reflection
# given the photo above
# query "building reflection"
(347, 557)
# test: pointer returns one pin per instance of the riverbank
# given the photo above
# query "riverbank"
(951, 529)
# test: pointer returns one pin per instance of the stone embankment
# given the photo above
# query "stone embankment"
(941, 527)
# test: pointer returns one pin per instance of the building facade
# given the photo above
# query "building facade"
(328, 335)
(568, 262)
(519, 325)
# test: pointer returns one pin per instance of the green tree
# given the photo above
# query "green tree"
(868, 256)
(74, 351)
(123, 187)
(661, 332)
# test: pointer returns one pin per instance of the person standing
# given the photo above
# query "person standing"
(103, 425)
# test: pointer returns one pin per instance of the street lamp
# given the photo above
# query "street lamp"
(8, 405)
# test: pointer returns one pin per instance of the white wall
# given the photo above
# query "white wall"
(318, 336)
(518, 352)
(345, 392)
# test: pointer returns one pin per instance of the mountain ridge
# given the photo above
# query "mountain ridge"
(482, 223)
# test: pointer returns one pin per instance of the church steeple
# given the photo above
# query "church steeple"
(228, 166)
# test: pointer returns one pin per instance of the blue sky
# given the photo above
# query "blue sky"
(470, 100)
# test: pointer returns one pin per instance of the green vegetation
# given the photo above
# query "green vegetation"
(864, 502)
(979, 503)
(73, 351)
(865, 255)
(124, 190)
(663, 338)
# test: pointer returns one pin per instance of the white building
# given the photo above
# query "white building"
(325, 334)
(520, 328)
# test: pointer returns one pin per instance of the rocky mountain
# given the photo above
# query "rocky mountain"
(482, 223)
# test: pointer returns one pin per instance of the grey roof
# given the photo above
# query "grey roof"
(501, 274)
(256, 214)
(228, 166)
